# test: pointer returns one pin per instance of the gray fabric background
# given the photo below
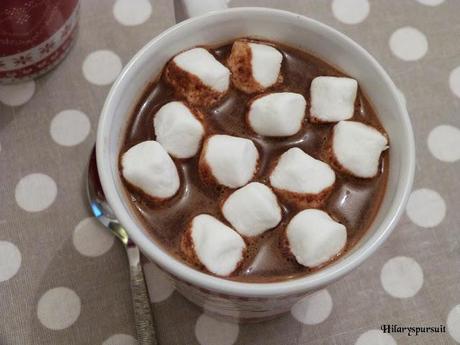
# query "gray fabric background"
(49, 258)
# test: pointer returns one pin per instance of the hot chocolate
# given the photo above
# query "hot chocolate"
(350, 189)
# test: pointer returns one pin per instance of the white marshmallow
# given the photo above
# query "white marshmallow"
(266, 63)
(357, 147)
(332, 98)
(277, 114)
(148, 166)
(218, 247)
(232, 160)
(252, 209)
(201, 63)
(299, 172)
(178, 130)
(314, 237)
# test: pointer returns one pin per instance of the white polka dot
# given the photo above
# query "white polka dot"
(426, 208)
(102, 67)
(444, 143)
(375, 337)
(159, 285)
(314, 308)
(91, 238)
(70, 127)
(10, 260)
(35, 192)
(431, 2)
(210, 331)
(132, 12)
(401, 277)
(350, 11)
(408, 44)
(120, 339)
(58, 308)
(453, 323)
(454, 81)
(17, 94)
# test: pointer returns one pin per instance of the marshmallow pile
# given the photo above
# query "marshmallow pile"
(356, 148)
(296, 178)
(255, 66)
(196, 75)
(277, 114)
(314, 238)
(210, 243)
(228, 161)
(301, 179)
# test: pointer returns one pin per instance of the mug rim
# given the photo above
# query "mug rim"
(180, 270)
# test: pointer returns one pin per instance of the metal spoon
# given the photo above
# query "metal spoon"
(102, 211)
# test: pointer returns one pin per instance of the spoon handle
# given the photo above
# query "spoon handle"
(142, 311)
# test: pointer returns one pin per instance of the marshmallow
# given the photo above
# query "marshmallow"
(254, 66)
(229, 161)
(356, 148)
(266, 64)
(198, 76)
(148, 167)
(332, 99)
(277, 114)
(201, 63)
(178, 130)
(302, 179)
(213, 244)
(314, 237)
(252, 209)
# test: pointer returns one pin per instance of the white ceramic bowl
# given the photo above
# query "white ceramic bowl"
(256, 300)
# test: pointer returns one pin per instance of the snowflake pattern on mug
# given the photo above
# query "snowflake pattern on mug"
(47, 48)
(23, 60)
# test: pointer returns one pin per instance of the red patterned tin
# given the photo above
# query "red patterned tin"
(35, 36)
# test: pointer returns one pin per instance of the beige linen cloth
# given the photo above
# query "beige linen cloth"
(63, 280)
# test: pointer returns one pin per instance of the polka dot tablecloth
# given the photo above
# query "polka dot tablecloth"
(64, 279)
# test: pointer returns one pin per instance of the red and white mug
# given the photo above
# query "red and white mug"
(35, 36)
